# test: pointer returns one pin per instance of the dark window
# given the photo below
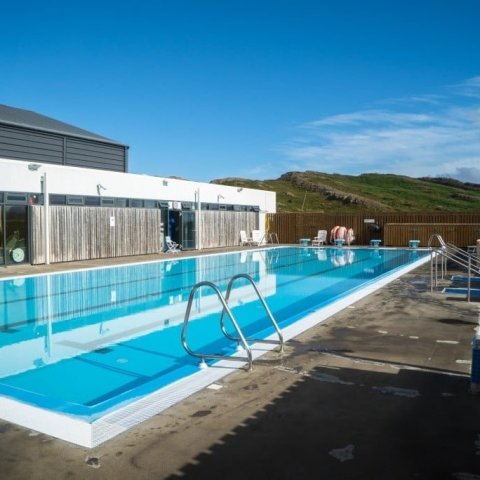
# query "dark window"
(135, 203)
(150, 203)
(58, 199)
(187, 206)
(163, 204)
(213, 206)
(230, 208)
(16, 198)
(222, 207)
(120, 202)
(1, 197)
(34, 199)
(108, 202)
(237, 208)
(92, 201)
(75, 200)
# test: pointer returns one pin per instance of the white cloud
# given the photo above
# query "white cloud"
(440, 136)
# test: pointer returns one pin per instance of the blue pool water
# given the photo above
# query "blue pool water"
(87, 342)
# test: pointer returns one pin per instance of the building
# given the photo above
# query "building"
(78, 180)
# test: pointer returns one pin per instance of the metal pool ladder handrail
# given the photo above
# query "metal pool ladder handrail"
(280, 340)
(226, 308)
(448, 251)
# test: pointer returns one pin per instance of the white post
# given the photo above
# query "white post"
(46, 223)
(199, 219)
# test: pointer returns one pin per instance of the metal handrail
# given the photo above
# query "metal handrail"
(280, 340)
(226, 309)
(453, 253)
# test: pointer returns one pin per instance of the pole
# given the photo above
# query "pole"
(46, 223)
(199, 219)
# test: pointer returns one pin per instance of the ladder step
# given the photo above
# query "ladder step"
(461, 291)
(464, 279)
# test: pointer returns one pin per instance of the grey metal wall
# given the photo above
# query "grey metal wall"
(83, 233)
(29, 145)
(222, 228)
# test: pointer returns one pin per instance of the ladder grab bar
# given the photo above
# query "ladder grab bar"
(226, 309)
(280, 340)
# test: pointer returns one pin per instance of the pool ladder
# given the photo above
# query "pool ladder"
(241, 339)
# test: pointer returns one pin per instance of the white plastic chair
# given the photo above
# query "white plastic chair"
(244, 240)
(257, 237)
(172, 247)
(320, 239)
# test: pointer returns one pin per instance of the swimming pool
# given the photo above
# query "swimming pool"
(86, 354)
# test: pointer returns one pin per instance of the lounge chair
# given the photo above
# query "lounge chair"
(172, 247)
(257, 237)
(244, 240)
(320, 239)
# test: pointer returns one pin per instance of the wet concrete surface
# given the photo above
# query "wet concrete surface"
(377, 391)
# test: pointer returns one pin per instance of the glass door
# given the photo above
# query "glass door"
(16, 234)
(188, 230)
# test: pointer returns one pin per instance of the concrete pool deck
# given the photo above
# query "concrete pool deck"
(379, 390)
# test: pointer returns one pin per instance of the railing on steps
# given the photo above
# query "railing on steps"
(448, 251)
(241, 339)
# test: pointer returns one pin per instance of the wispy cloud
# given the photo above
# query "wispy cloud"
(417, 136)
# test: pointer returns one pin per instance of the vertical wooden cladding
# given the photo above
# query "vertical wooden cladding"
(394, 228)
(222, 228)
(82, 233)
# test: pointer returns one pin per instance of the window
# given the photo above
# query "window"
(120, 202)
(150, 203)
(135, 203)
(75, 200)
(58, 199)
(92, 201)
(16, 198)
(108, 202)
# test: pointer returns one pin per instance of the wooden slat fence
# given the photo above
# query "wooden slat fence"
(290, 227)
(222, 228)
(84, 233)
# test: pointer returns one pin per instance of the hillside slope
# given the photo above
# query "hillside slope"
(320, 192)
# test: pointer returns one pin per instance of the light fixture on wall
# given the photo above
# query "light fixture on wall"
(33, 167)
(100, 187)
(165, 183)
(239, 189)
(220, 197)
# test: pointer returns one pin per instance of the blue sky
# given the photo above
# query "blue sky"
(212, 89)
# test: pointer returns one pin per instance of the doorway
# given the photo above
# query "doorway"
(182, 228)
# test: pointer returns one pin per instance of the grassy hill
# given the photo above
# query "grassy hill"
(320, 192)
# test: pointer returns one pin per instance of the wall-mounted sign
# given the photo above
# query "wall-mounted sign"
(368, 220)
(112, 221)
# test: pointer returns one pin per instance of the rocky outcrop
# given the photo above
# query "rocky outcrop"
(303, 180)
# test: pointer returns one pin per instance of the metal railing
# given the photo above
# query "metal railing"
(448, 251)
(226, 309)
(265, 306)
(241, 339)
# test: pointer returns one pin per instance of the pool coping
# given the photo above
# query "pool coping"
(83, 433)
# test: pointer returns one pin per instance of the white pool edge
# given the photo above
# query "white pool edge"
(90, 435)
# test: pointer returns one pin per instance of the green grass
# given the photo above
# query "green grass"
(373, 191)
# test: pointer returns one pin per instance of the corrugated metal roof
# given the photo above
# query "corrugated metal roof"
(27, 119)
